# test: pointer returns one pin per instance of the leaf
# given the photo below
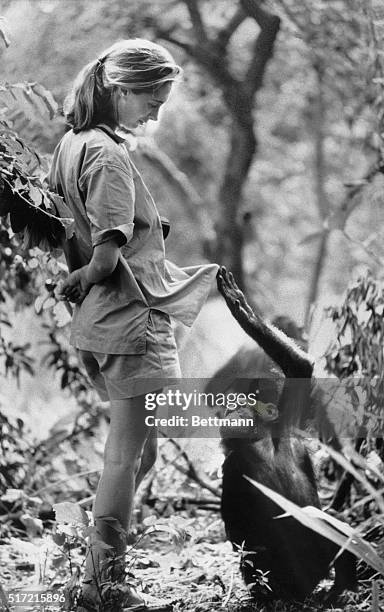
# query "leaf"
(23, 101)
(39, 301)
(347, 465)
(64, 380)
(149, 521)
(4, 31)
(324, 525)
(58, 538)
(178, 535)
(34, 526)
(332, 520)
(28, 368)
(35, 195)
(13, 495)
(165, 528)
(18, 185)
(58, 561)
(68, 512)
(69, 530)
(33, 263)
(46, 97)
(61, 314)
(311, 238)
(49, 303)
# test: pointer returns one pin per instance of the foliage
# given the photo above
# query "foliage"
(356, 359)
(32, 209)
(375, 16)
(14, 453)
(28, 211)
(33, 472)
(357, 356)
(75, 529)
(328, 526)
(186, 562)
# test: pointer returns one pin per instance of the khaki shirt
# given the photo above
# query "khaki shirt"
(107, 197)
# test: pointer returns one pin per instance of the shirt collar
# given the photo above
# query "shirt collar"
(108, 130)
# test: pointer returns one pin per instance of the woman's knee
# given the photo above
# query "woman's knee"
(127, 433)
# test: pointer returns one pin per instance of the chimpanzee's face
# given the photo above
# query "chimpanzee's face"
(260, 415)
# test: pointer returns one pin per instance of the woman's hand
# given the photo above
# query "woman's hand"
(104, 260)
(75, 287)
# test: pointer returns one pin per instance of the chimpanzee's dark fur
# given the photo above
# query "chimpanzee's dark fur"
(295, 557)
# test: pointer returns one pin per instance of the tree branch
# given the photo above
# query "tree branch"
(256, 10)
(197, 20)
(263, 49)
(224, 35)
(291, 16)
(183, 44)
(210, 59)
(194, 204)
(319, 125)
(190, 471)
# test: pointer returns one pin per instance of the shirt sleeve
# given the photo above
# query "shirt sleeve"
(110, 203)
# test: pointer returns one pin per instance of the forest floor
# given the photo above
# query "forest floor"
(199, 574)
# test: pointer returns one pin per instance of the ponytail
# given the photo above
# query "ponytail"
(89, 101)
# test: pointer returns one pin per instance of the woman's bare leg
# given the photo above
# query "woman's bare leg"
(122, 455)
(114, 498)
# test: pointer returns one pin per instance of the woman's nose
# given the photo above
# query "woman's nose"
(154, 114)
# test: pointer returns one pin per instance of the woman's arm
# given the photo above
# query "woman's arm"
(104, 260)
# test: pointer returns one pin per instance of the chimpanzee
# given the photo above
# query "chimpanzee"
(293, 557)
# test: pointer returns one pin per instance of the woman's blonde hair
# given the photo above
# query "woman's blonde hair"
(136, 64)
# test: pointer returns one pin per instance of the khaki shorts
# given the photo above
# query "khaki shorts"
(124, 376)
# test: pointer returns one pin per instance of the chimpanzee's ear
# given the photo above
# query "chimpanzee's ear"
(266, 412)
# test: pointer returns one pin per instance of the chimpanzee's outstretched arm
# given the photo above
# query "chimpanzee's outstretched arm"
(294, 362)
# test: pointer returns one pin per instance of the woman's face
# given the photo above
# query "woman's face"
(137, 109)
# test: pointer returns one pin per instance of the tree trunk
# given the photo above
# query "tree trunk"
(320, 174)
(210, 50)
(229, 227)
(316, 275)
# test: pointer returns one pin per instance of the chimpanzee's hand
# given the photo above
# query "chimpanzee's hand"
(235, 299)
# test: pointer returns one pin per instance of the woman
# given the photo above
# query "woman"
(123, 288)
